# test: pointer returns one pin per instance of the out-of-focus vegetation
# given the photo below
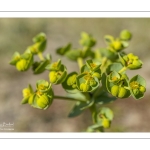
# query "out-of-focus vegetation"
(16, 35)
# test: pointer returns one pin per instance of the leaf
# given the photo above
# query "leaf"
(15, 58)
(73, 54)
(108, 113)
(109, 39)
(108, 53)
(39, 67)
(40, 37)
(76, 109)
(104, 98)
(63, 50)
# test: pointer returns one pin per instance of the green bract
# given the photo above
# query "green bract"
(87, 40)
(39, 67)
(70, 83)
(104, 117)
(39, 44)
(131, 61)
(117, 85)
(58, 72)
(137, 87)
(87, 83)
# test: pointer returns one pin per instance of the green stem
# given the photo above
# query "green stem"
(97, 54)
(94, 113)
(41, 56)
(67, 98)
(80, 62)
(104, 62)
(123, 69)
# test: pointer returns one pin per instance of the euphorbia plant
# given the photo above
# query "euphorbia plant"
(101, 78)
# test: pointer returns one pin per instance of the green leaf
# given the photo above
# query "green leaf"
(73, 54)
(108, 53)
(88, 104)
(87, 40)
(40, 37)
(25, 100)
(15, 58)
(109, 39)
(39, 67)
(104, 98)
(63, 50)
(76, 109)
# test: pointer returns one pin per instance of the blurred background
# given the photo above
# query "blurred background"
(16, 35)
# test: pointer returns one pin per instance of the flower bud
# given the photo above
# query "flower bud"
(117, 45)
(142, 89)
(21, 65)
(125, 35)
(84, 87)
(43, 101)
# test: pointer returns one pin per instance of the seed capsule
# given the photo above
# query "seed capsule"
(52, 76)
(71, 80)
(125, 35)
(115, 90)
(142, 89)
(118, 91)
(43, 101)
(122, 92)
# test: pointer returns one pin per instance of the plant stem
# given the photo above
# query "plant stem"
(41, 56)
(123, 69)
(97, 54)
(104, 62)
(80, 62)
(93, 112)
(67, 98)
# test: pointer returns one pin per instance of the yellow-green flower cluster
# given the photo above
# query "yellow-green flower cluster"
(43, 96)
(22, 62)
